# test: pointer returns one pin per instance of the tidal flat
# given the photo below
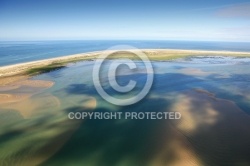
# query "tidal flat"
(210, 90)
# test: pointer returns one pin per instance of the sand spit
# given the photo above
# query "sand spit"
(11, 70)
(153, 54)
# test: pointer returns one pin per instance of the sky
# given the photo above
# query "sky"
(197, 20)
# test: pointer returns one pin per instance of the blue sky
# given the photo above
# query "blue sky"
(213, 20)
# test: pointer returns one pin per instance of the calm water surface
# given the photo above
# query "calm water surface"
(18, 52)
(220, 141)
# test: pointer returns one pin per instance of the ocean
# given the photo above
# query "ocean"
(211, 93)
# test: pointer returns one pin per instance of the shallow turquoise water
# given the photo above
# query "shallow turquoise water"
(137, 142)
(219, 76)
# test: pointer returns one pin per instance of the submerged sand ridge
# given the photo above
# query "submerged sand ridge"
(10, 93)
(211, 131)
(213, 127)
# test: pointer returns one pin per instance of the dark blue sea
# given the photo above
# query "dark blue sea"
(211, 93)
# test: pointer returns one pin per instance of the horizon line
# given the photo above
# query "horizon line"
(40, 40)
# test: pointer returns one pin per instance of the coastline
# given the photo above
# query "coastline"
(204, 113)
(153, 54)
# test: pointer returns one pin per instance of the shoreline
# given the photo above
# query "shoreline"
(153, 54)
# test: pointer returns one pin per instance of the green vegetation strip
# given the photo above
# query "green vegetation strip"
(152, 55)
(45, 69)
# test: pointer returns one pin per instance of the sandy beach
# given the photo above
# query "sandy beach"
(153, 54)
(128, 83)
(14, 77)
(20, 68)
(210, 124)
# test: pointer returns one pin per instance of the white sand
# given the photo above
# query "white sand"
(11, 70)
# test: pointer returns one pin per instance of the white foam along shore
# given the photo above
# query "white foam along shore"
(153, 54)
